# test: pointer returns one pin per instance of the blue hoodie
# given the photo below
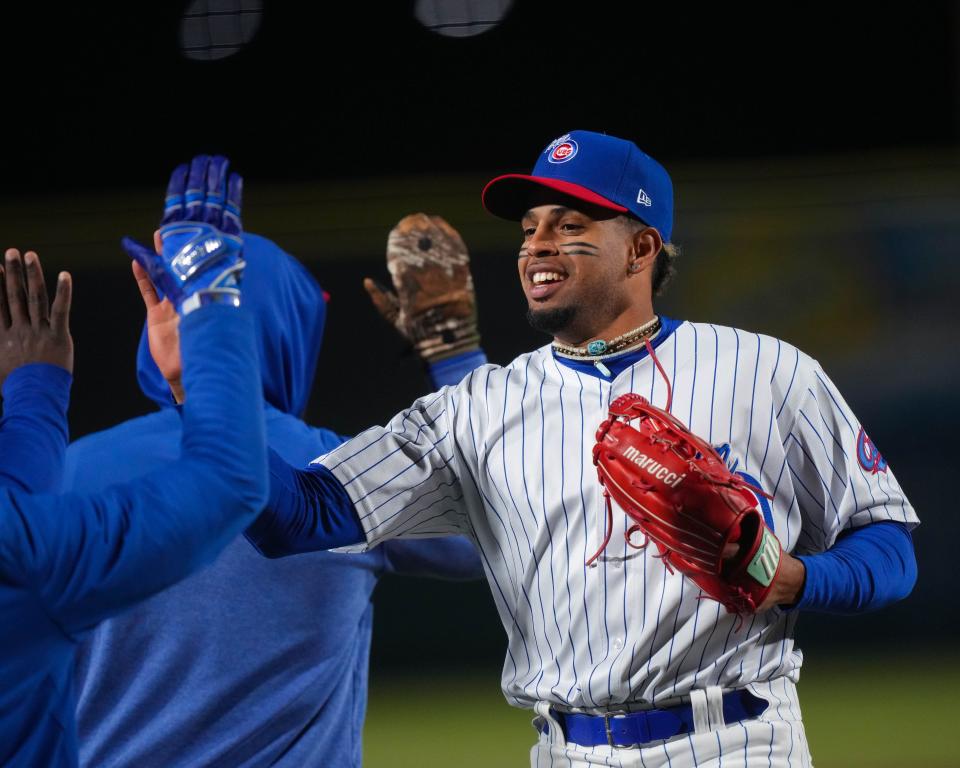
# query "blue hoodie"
(67, 562)
(251, 661)
(33, 430)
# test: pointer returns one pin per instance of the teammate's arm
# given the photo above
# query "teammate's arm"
(36, 360)
(88, 557)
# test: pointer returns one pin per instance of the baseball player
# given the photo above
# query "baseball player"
(626, 661)
(67, 562)
(252, 662)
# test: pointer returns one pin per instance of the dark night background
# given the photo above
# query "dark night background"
(99, 95)
(814, 150)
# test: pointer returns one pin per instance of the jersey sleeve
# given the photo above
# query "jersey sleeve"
(840, 479)
(404, 479)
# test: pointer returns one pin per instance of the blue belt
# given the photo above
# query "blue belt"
(617, 729)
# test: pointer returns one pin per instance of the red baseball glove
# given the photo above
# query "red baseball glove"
(703, 518)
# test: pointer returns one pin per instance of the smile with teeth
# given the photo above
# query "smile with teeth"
(547, 277)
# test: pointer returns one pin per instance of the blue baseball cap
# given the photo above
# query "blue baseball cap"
(602, 170)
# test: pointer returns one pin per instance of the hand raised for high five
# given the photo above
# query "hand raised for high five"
(31, 329)
(198, 259)
(196, 256)
(163, 334)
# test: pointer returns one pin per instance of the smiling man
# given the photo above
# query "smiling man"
(619, 655)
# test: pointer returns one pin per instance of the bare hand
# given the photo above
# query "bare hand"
(31, 330)
(163, 331)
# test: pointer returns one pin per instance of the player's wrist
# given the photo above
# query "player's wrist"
(449, 341)
(438, 353)
(787, 587)
(177, 391)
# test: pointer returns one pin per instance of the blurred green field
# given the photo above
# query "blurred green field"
(858, 714)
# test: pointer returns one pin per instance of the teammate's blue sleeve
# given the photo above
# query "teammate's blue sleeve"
(452, 370)
(33, 431)
(450, 557)
(87, 557)
(308, 510)
(869, 567)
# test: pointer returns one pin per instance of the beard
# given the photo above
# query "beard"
(551, 321)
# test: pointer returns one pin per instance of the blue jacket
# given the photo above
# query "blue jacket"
(68, 562)
(34, 427)
(251, 661)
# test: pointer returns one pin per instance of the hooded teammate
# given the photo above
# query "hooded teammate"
(68, 562)
(249, 662)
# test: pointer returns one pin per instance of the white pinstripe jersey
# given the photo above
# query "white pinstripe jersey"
(505, 457)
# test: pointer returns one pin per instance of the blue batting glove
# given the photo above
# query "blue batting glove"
(205, 191)
(201, 259)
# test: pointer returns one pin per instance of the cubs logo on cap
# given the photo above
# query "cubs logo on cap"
(563, 152)
(594, 168)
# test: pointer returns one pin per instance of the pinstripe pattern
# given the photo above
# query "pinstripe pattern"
(506, 458)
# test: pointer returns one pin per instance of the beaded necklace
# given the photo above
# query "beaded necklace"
(598, 349)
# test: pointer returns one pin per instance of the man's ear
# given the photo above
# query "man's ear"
(647, 243)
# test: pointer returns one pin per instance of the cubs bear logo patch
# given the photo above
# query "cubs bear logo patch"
(868, 455)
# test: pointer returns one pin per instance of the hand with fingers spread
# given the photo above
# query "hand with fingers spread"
(31, 329)
(199, 258)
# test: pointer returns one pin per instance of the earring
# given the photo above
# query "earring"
(634, 267)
